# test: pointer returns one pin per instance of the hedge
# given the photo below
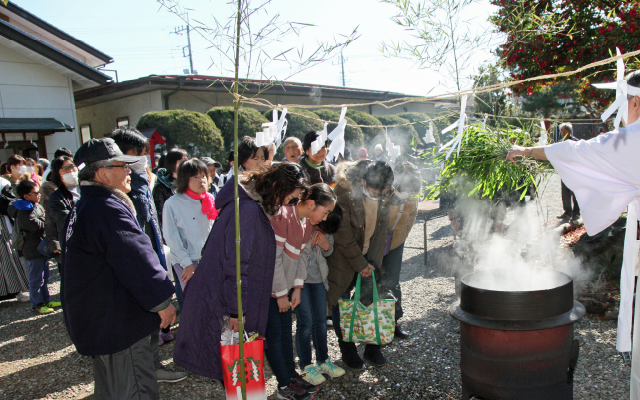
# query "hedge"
(352, 134)
(362, 118)
(192, 131)
(417, 116)
(250, 121)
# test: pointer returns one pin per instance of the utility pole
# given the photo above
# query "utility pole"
(342, 60)
(178, 31)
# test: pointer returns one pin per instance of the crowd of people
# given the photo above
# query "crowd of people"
(127, 238)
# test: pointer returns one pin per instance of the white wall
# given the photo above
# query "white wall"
(29, 89)
(102, 117)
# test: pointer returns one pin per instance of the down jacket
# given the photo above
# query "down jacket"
(30, 219)
(211, 292)
(347, 258)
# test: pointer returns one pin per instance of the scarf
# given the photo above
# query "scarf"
(208, 203)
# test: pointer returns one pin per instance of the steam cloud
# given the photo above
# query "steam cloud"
(520, 253)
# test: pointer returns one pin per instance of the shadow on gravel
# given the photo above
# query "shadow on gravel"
(41, 380)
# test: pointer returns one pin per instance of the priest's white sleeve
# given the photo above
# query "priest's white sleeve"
(604, 175)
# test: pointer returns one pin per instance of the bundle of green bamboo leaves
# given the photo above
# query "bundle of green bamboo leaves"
(480, 169)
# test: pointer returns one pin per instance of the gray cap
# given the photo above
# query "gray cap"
(210, 161)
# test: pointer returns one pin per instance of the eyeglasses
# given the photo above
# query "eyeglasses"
(68, 168)
(125, 167)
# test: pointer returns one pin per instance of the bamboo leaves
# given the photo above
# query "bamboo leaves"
(480, 170)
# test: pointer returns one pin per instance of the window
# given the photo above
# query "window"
(122, 121)
(85, 133)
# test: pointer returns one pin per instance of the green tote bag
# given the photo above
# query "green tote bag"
(374, 324)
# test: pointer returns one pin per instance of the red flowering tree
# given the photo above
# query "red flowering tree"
(546, 37)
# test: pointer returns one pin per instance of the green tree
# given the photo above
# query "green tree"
(192, 131)
(494, 102)
(352, 134)
(362, 118)
(547, 37)
(250, 121)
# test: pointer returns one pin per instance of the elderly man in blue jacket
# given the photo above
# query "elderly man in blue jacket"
(114, 291)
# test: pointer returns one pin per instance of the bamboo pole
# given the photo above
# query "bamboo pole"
(236, 107)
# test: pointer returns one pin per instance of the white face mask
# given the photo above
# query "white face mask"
(403, 195)
(70, 178)
(22, 169)
(368, 195)
(140, 166)
(31, 170)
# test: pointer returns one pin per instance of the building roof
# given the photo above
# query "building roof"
(34, 26)
(82, 74)
(24, 125)
(112, 91)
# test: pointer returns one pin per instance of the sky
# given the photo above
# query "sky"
(139, 36)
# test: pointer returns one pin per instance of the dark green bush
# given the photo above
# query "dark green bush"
(250, 121)
(417, 116)
(352, 134)
(192, 131)
(362, 118)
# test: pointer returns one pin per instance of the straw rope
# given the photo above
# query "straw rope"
(406, 100)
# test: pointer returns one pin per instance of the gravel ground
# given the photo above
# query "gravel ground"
(37, 360)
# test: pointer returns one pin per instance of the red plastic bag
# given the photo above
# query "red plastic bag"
(254, 371)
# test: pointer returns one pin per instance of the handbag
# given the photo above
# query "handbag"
(43, 248)
(374, 324)
(253, 370)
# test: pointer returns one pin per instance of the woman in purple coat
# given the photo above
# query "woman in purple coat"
(211, 292)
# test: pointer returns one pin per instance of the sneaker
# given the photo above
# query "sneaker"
(329, 322)
(53, 304)
(312, 375)
(166, 375)
(160, 341)
(43, 310)
(329, 368)
(23, 297)
(288, 393)
(167, 337)
(298, 384)
(564, 216)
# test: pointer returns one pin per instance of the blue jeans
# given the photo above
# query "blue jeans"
(38, 281)
(311, 316)
(279, 349)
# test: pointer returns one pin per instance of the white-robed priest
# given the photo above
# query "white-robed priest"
(604, 174)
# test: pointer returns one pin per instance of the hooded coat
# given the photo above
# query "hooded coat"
(347, 258)
(211, 292)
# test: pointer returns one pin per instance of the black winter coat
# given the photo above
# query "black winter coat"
(32, 224)
(58, 208)
(324, 173)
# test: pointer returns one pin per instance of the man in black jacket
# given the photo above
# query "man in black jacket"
(115, 292)
(29, 217)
